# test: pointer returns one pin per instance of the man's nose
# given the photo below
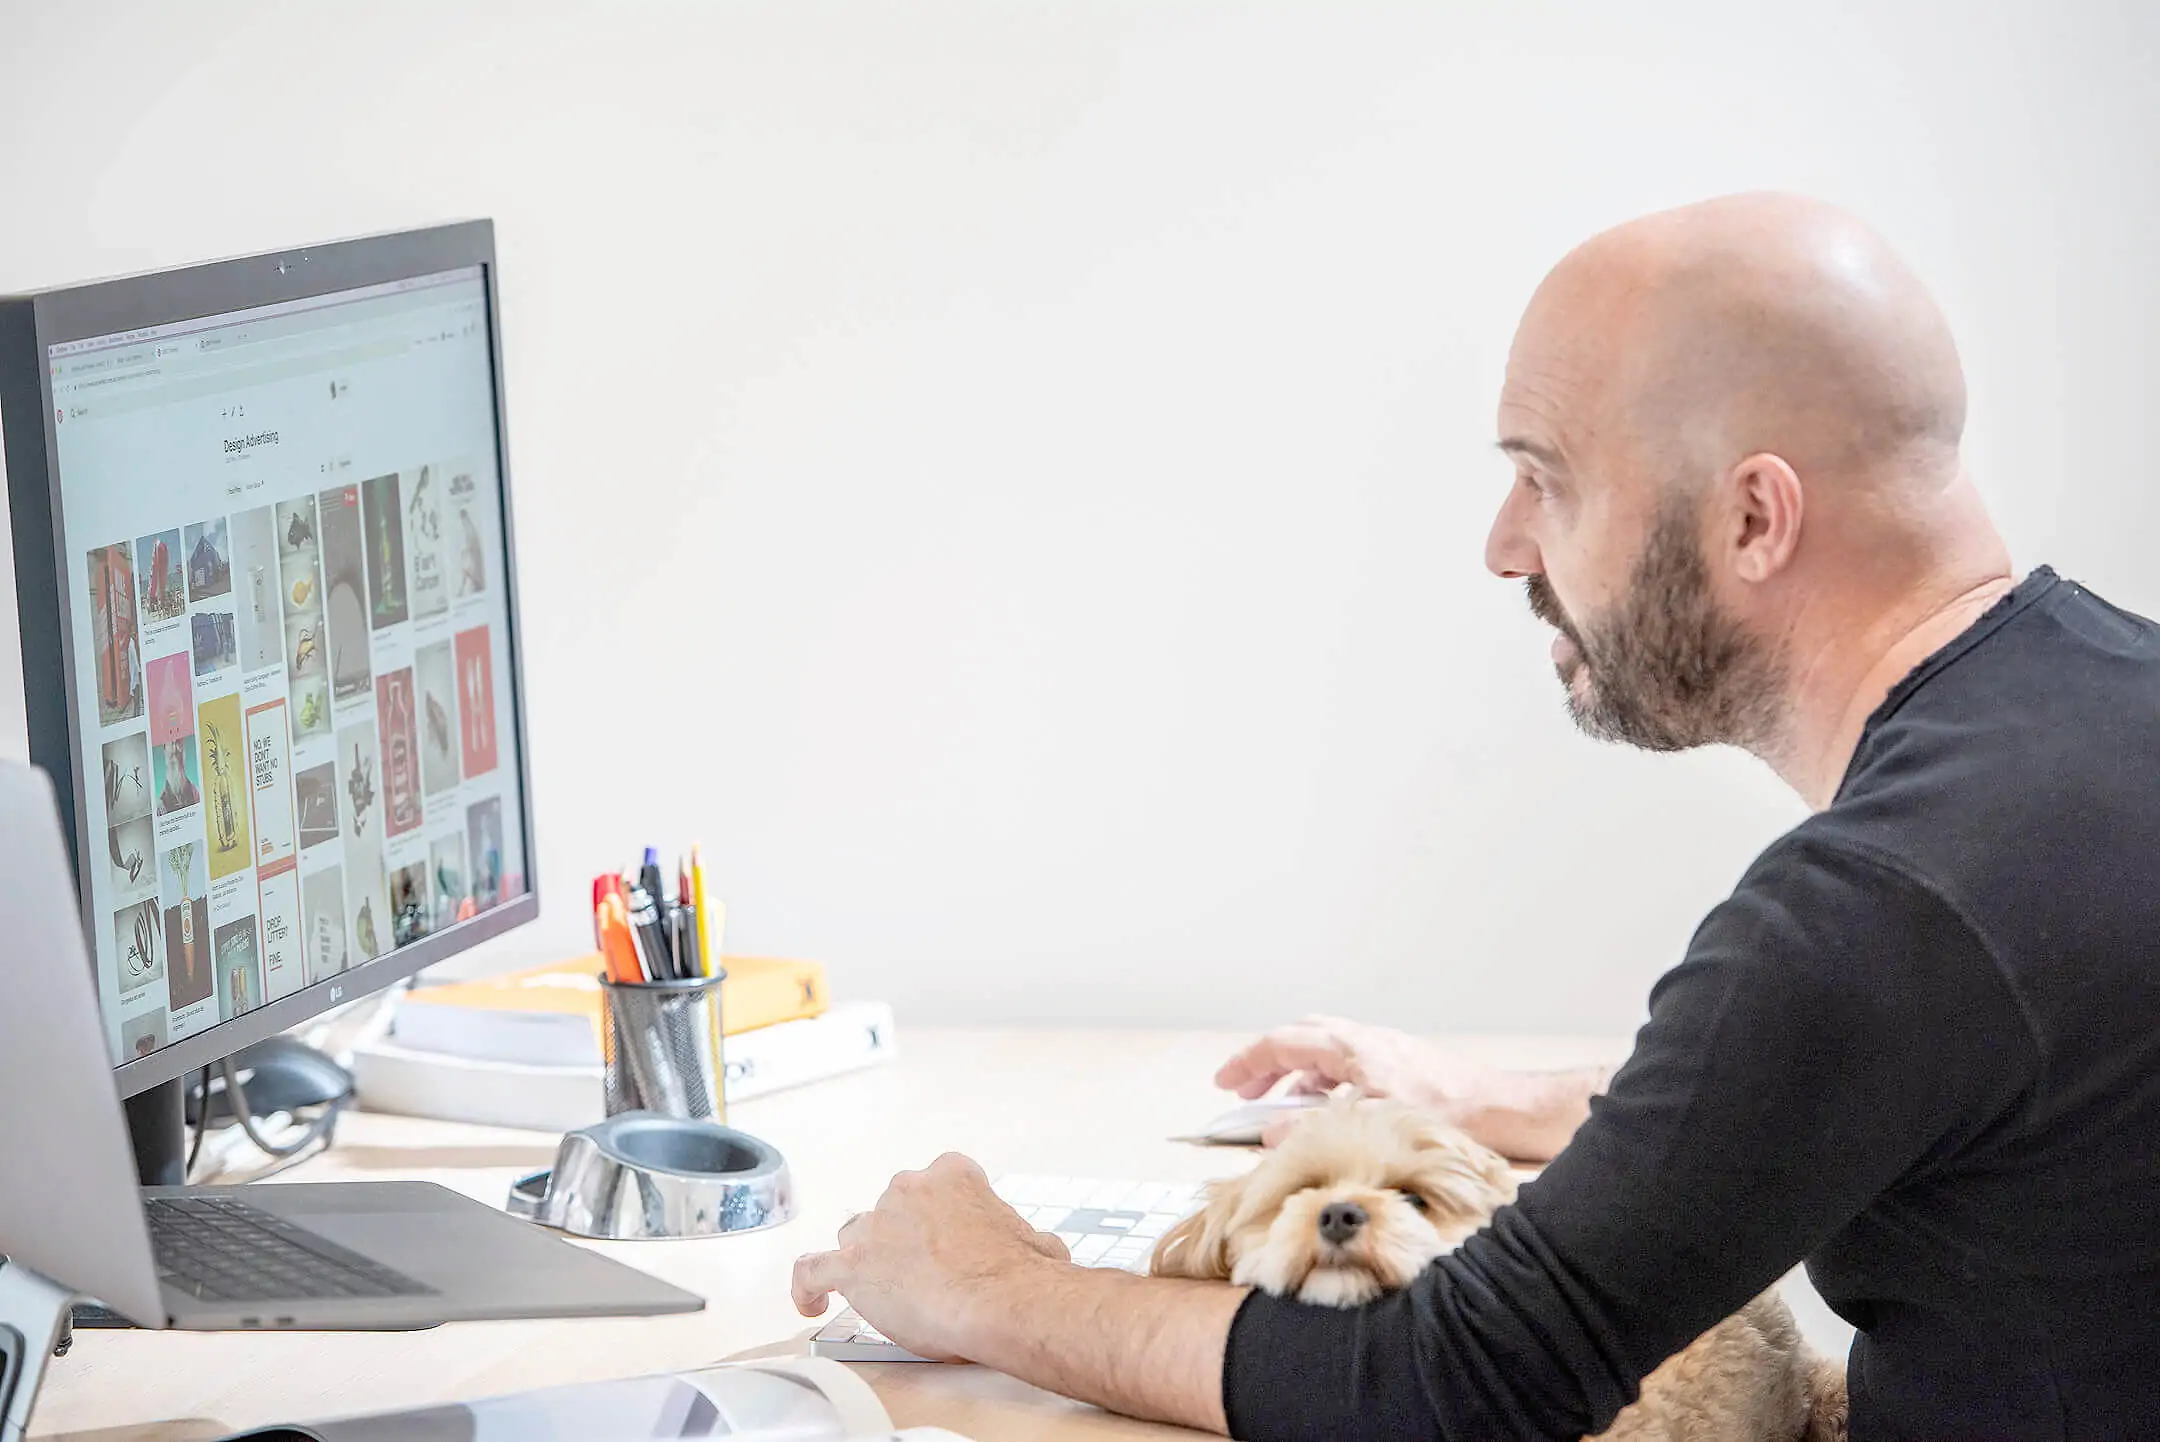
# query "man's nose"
(1509, 552)
(1340, 1221)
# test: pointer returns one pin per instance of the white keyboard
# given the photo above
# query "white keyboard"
(1103, 1224)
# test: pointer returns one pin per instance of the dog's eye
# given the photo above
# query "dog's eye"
(1417, 1203)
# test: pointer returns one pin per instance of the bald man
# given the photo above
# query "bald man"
(1919, 1046)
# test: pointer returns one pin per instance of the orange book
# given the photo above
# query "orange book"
(550, 1015)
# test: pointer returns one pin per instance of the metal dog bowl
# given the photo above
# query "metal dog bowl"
(644, 1175)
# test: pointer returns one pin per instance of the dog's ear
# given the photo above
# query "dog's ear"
(1199, 1246)
(1461, 1175)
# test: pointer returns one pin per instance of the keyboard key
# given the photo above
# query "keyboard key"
(1148, 1196)
(1109, 1194)
(1091, 1249)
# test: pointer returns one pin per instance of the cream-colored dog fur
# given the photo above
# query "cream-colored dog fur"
(1422, 1189)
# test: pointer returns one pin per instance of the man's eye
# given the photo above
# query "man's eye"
(1417, 1203)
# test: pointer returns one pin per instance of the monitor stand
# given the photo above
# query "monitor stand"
(282, 1074)
(157, 1130)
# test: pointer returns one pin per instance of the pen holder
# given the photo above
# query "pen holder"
(660, 1048)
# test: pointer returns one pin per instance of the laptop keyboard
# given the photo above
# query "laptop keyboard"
(218, 1250)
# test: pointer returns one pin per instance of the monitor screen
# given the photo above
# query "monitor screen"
(291, 650)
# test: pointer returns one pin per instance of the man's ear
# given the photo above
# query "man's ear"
(1765, 505)
(1199, 1246)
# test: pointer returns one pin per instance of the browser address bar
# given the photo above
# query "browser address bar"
(167, 386)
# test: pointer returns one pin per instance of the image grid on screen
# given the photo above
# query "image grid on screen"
(291, 644)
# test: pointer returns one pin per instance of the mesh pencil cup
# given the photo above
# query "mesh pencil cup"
(660, 1047)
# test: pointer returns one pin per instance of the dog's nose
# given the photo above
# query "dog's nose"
(1339, 1221)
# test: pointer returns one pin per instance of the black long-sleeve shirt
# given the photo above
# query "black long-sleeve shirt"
(1918, 1047)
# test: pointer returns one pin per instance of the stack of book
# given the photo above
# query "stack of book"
(523, 1049)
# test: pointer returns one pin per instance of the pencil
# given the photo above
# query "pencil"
(708, 964)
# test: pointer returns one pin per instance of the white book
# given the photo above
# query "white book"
(772, 1399)
(392, 1078)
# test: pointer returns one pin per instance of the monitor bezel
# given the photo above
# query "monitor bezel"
(29, 324)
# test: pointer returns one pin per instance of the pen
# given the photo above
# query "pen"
(651, 931)
(616, 944)
(685, 933)
(602, 888)
(649, 877)
(688, 953)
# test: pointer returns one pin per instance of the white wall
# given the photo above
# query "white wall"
(1062, 432)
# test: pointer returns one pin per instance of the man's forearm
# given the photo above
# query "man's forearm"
(1532, 1115)
(1148, 1347)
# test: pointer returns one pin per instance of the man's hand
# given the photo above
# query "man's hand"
(936, 1241)
(1321, 1053)
(1524, 1115)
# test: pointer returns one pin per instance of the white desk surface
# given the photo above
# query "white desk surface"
(1085, 1103)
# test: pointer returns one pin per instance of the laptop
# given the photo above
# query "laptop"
(343, 1256)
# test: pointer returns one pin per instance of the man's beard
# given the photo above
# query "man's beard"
(1665, 669)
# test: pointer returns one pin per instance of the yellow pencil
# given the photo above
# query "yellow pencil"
(709, 963)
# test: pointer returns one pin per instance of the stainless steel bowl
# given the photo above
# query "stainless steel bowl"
(642, 1175)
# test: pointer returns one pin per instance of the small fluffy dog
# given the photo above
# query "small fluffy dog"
(1358, 1199)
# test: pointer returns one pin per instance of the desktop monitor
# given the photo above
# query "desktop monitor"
(267, 594)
